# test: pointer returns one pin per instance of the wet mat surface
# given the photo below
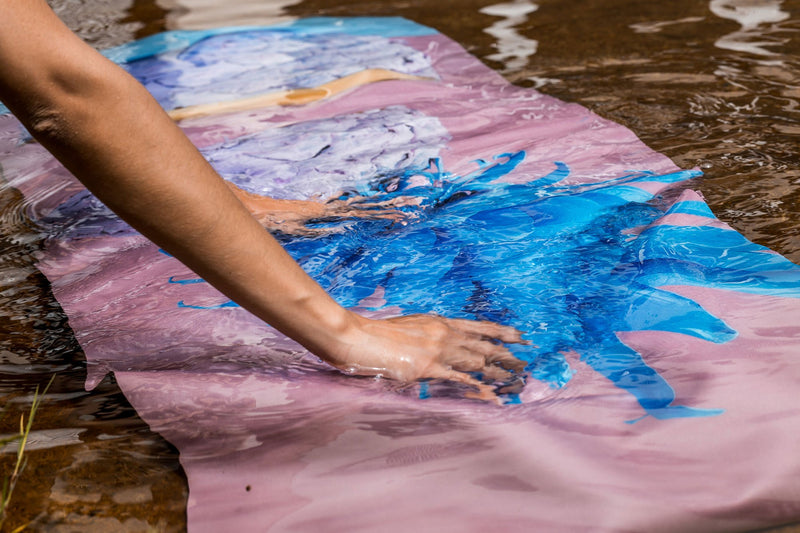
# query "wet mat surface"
(649, 315)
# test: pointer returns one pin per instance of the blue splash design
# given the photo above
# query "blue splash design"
(558, 261)
(545, 258)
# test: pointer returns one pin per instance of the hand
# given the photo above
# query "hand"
(291, 216)
(409, 348)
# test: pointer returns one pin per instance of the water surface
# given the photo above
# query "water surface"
(712, 84)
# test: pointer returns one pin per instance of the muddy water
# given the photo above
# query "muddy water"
(711, 83)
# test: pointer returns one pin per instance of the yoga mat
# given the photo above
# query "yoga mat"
(661, 390)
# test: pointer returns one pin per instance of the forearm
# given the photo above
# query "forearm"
(111, 134)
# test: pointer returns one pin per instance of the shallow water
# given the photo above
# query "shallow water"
(710, 84)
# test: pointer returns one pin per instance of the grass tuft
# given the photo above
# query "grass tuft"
(9, 482)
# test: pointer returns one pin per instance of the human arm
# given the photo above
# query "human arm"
(112, 135)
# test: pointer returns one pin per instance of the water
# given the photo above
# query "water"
(710, 84)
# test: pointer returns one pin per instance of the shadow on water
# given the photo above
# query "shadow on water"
(712, 84)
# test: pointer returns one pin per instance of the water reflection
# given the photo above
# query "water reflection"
(198, 14)
(752, 15)
(513, 49)
(657, 26)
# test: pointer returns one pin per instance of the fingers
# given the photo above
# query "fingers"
(485, 392)
(506, 360)
(399, 201)
(487, 329)
(373, 214)
(337, 209)
(481, 353)
(471, 361)
(476, 342)
(361, 207)
(467, 345)
(495, 373)
(483, 357)
(414, 347)
(475, 351)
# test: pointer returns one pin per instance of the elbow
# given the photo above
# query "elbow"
(46, 123)
(43, 117)
(43, 105)
(63, 116)
(69, 104)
